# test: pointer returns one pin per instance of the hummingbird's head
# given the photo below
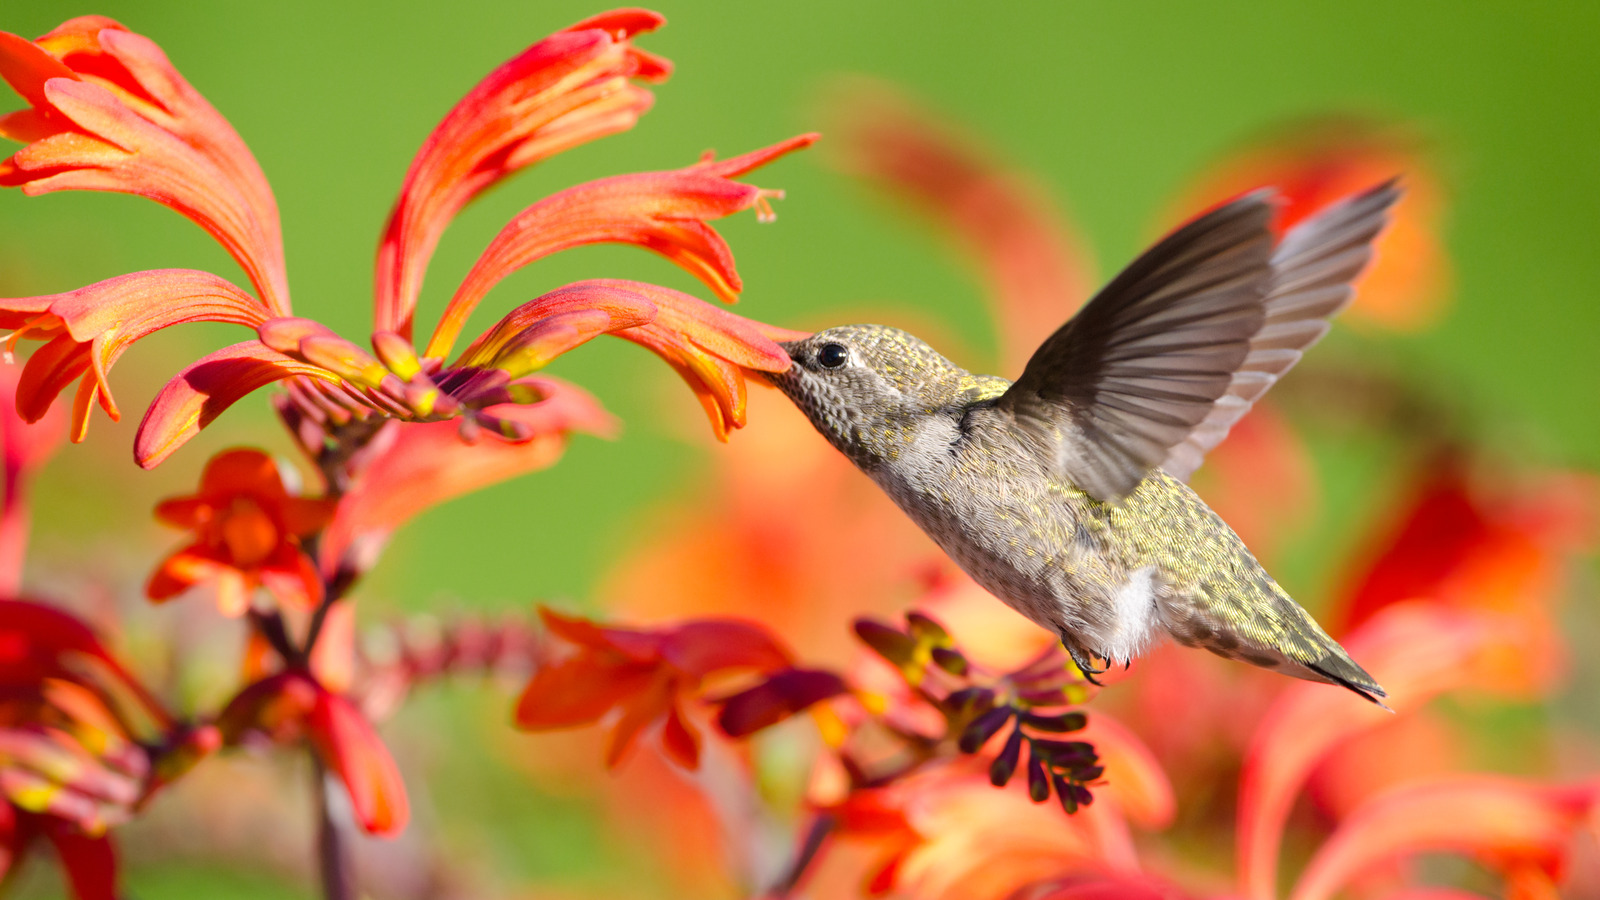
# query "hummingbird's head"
(864, 386)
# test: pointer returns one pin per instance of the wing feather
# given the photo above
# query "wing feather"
(1114, 390)
(1157, 368)
(1312, 269)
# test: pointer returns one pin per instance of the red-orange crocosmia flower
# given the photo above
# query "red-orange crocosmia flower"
(86, 330)
(294, 704)
(108, 112)
(1419, 650)
(82, 744)
(1506, 552)
(1523, 830)
(24, 446)
(661, 211)
(568, 89)
(247, 535)
(946, 833)
(645, 675)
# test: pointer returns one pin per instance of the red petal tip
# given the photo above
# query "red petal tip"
(738, 165)
(623, 23)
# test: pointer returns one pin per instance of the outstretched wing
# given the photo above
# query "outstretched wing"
(1311, 273)
(1128, 378)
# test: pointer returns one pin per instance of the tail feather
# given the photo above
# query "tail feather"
(1342, 670)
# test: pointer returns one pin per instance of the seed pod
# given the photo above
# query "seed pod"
(1057, 724)
(1081, 795)
(924, 628)
(972, 701)
(983, 728)
(950, 660)
(1038, 781)
(1005, 765)
(1064, 794)
(1086, 774)
(893, 645)
(1066, 754)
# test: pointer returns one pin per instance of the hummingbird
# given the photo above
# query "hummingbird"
(1063, 493)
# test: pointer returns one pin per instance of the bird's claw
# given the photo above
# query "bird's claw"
(1086, 666)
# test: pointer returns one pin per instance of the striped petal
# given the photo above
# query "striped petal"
(568, 89)
(1511, 825)
(89, 328)
(108, 112)
(203, 390)
(661, 211)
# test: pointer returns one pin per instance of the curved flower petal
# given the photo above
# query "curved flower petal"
(680, 739)
(1502, 549)
(353, 751)
(420, 465)
(578, 691)
(108, 112)
(1418, 650)
(660, 211)
(1108, 886)
(89, 861)
(34, 637)
(565, 90)
(517, 345)
(90, 328)
(1134, 778)
(292, 704)
(703, 646)
(1507, 823)
(1031, 262)
(709, 347)
(200, 393)
(24, 446)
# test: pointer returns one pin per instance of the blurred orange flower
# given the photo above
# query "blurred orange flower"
(1311, 164)
(293, 704)
(83, 744)
(247, 534)
(1474, 547)
(643, 675)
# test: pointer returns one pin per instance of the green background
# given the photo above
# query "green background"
(1112, 106)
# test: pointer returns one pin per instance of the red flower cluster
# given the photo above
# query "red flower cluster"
(107, 111)
(390, 429)
(644, 676)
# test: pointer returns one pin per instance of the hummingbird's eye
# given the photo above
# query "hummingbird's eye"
(832, 356)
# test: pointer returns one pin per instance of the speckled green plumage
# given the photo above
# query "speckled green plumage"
(1055, 492)
(982, 489)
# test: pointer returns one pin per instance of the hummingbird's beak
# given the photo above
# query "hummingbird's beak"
(792, 348)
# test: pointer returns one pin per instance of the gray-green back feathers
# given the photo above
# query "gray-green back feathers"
(1051, 492)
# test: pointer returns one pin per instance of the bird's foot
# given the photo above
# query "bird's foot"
(1086, 665)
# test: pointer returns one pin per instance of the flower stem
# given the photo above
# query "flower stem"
(333, 854)
(816, 836)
